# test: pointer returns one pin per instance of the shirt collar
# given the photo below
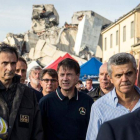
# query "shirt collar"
(137, 89)
(2, 86)
(114, 95)
(91, 89)
(62, 97)
(29, 85)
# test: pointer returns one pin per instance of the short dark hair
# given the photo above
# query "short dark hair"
(8, 49)
(50, 72)
(22, 60)
(70, 64)
(89, 80)
(80, 82)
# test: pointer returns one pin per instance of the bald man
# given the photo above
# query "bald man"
(105, 84)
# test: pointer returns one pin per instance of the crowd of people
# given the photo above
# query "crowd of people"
(55, 105)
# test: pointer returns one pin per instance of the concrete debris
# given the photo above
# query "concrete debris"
(45, 41)
(15, 40)
(44, 16)
(30, 39)
(78, 16)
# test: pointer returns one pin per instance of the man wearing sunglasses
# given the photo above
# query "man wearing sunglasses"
(48, 80)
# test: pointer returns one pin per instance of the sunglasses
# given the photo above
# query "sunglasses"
(47, 80)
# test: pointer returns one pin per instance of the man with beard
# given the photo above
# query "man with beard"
(48, 81)
(105, 84)
(34, 83)
(65, 112)
(123, 99)
(34, 78)
(18, 104)
(21, 69)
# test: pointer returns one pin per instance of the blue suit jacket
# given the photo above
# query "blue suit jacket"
(126, 127)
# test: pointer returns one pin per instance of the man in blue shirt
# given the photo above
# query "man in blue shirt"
(123, 99)
(66, 112)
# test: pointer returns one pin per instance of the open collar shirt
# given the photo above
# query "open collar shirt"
(104, 109)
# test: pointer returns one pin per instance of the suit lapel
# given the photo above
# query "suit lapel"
(137, 123)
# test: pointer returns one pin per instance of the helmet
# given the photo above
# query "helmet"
(3, 129)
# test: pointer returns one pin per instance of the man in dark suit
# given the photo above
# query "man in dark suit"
(126, 127)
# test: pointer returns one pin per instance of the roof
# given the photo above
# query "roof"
(136, 8)
(90, 69)
(55, 63)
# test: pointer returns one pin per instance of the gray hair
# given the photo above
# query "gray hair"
(120, 59)
(34, 68)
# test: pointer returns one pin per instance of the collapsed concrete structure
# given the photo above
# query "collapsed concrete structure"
(45, 41)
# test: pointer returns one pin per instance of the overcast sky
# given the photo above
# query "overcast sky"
(15, 15)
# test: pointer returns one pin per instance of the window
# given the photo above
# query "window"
(132, 29)
(105, 44)
(117, 37)
(124, 33)
(111, 40)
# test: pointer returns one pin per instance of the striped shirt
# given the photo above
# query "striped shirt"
(104, 109)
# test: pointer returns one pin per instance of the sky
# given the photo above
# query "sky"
(15, 15)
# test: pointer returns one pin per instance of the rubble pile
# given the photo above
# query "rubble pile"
(44, 16)
(45, 41)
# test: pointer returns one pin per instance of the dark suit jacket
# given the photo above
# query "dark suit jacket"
(126, 127)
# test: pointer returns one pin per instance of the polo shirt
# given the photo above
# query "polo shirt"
(64, 118)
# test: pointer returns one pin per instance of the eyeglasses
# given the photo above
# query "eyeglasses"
(47, 80)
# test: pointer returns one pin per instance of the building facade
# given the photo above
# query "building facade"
(122, 36)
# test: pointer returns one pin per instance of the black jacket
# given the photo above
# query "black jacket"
(96, 94)
(126, 127)
(38, 94)
(24, 119)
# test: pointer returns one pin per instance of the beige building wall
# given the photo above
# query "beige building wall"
(137, 32)
(109, 50)
(125, 46)
(121, 46)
